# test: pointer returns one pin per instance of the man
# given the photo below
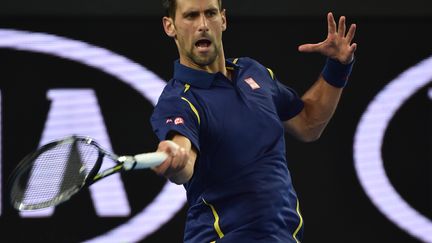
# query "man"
(222, 123)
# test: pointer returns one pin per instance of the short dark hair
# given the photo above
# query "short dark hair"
(171, 5)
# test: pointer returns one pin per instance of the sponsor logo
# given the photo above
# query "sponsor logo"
(178, 121)
(252, 83)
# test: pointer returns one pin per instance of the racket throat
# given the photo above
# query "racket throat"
(128, 162)
(105, 173)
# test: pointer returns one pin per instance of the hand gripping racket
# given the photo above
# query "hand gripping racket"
(58, 170)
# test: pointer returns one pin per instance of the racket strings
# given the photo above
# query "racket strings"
(55, 174)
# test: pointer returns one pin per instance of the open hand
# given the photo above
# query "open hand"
(337, 45)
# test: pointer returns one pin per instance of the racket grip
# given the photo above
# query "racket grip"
(148, 160)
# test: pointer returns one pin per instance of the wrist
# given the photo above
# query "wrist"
(336, 73)
(183, 175)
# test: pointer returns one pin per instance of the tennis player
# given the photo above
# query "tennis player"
(222, 122)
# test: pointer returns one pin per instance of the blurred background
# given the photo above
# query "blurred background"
(97, 67)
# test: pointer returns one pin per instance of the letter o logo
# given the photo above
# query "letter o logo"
(368, 140)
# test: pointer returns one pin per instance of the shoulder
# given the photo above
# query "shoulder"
(177, 96)
(174, 89)
(246, 62)
(253, 65)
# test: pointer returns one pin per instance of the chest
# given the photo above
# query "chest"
(240, 114)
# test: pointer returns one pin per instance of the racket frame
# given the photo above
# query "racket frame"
(92, 177)
(123, 163)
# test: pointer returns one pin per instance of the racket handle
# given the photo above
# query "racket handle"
(148, 160)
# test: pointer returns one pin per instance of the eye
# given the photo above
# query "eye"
(191, 15)
(211, 13)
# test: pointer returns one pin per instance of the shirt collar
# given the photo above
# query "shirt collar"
(197, 78)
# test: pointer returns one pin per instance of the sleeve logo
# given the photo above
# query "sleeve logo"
(252, 83)
(178, 121)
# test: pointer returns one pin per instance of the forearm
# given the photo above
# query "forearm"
(182, 176)
(179, 166)
(320, 103)
(322, 98)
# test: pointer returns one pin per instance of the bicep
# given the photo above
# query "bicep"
(296, 125)
(288, 103)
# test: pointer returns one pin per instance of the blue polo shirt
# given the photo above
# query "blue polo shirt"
(241, 189)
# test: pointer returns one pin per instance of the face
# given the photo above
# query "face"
(197, 30)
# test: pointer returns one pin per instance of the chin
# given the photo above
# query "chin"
(204, 61)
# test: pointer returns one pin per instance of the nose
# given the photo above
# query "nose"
(203, 27)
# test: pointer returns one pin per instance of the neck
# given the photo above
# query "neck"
(218, 65)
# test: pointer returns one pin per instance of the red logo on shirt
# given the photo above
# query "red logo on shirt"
(178, 120)
(252, 83)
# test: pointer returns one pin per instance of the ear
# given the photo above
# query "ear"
(224, 21)
(169, 27)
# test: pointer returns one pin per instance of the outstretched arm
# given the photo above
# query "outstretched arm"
(179, 166)
(321, 99)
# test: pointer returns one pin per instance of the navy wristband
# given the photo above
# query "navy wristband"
(336, 73)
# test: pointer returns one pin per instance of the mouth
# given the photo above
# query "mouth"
(203, 44)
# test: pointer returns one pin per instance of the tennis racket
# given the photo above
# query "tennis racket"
(60, 169)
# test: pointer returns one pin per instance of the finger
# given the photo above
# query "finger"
(162, 168)
(177, 164)
(331, 24)
(353, 47)
(351, 33)
(341, 27)
(168, 147)
(179, 161)
(309, 47)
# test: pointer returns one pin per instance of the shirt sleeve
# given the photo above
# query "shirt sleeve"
(287, 101)
(176, 114)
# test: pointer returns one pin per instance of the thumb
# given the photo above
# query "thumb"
(168, 147)
(308, 48)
